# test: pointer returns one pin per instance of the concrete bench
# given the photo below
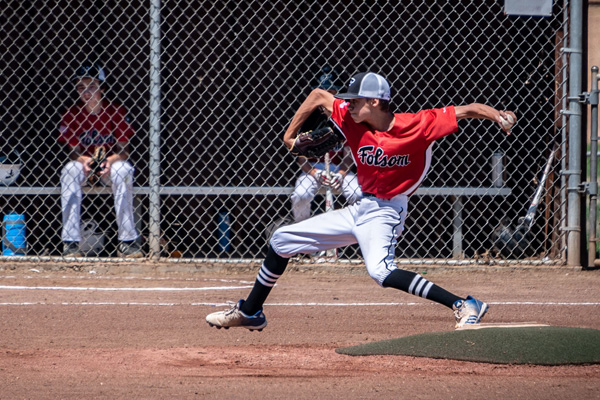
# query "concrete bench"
(456, 193)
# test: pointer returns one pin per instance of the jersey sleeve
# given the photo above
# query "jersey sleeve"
(123, 130)
(339, 111)
(440, 122)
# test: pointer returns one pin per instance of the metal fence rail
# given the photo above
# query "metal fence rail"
(211, 86)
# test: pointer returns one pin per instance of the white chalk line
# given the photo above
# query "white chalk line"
(107, 289)
(217, 288)
(124, 278)
(313, 304)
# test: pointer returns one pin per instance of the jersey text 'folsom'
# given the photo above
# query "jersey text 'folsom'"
(367, 156)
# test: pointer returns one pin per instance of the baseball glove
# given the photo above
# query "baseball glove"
(315, 143)
(96, 165)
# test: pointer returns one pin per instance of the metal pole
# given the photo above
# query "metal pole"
(593, 185)
(563, 141)
(574, 112)
(457, 207)
(154, 161)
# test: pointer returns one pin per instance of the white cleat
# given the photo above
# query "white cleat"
(234, 317)
(469, 311)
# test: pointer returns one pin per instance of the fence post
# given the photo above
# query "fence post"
(154, 133)
(574, 172)
(593, 184)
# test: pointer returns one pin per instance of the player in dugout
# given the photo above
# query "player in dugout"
(393, 154)
(94, 123)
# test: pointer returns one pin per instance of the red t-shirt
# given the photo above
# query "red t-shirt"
(394, 162)
(79, 127)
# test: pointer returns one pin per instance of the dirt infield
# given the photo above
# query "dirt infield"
(121, 334)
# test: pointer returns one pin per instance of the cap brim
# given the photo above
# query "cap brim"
(329, 88)
(347, 96)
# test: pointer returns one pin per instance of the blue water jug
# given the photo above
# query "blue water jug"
(224, 231)
(14, 237)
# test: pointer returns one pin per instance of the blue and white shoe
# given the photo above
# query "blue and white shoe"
(469, 311)
(234, 317)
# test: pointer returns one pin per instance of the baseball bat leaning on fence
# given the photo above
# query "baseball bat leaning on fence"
(329, 205)
(527, 221)
(516, 242)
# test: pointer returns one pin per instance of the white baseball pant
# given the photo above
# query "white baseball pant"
(375, 224)
(121, 178)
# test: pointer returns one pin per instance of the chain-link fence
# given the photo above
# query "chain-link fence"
(231, 75)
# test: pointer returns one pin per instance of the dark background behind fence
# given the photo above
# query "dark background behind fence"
(233, 73)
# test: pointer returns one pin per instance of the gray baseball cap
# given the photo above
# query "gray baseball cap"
(366, 85)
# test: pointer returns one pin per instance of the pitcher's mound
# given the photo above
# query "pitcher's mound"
(523, 343)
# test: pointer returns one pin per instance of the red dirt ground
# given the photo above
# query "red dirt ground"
(57, 342)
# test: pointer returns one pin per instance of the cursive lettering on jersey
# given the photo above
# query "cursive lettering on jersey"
(93, 137)
(369, 155)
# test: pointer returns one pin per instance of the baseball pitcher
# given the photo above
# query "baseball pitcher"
(393, 154)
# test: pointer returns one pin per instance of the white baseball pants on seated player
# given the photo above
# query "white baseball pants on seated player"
(373, 223)
(307, 187)
(121, 178)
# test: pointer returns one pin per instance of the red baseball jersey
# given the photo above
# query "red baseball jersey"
(394, 162)
(79, 127)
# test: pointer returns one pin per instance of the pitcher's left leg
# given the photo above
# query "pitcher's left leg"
(314, 234)
(321, 232)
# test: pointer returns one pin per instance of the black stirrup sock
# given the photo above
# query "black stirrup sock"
(272, 268)
(414, 283)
